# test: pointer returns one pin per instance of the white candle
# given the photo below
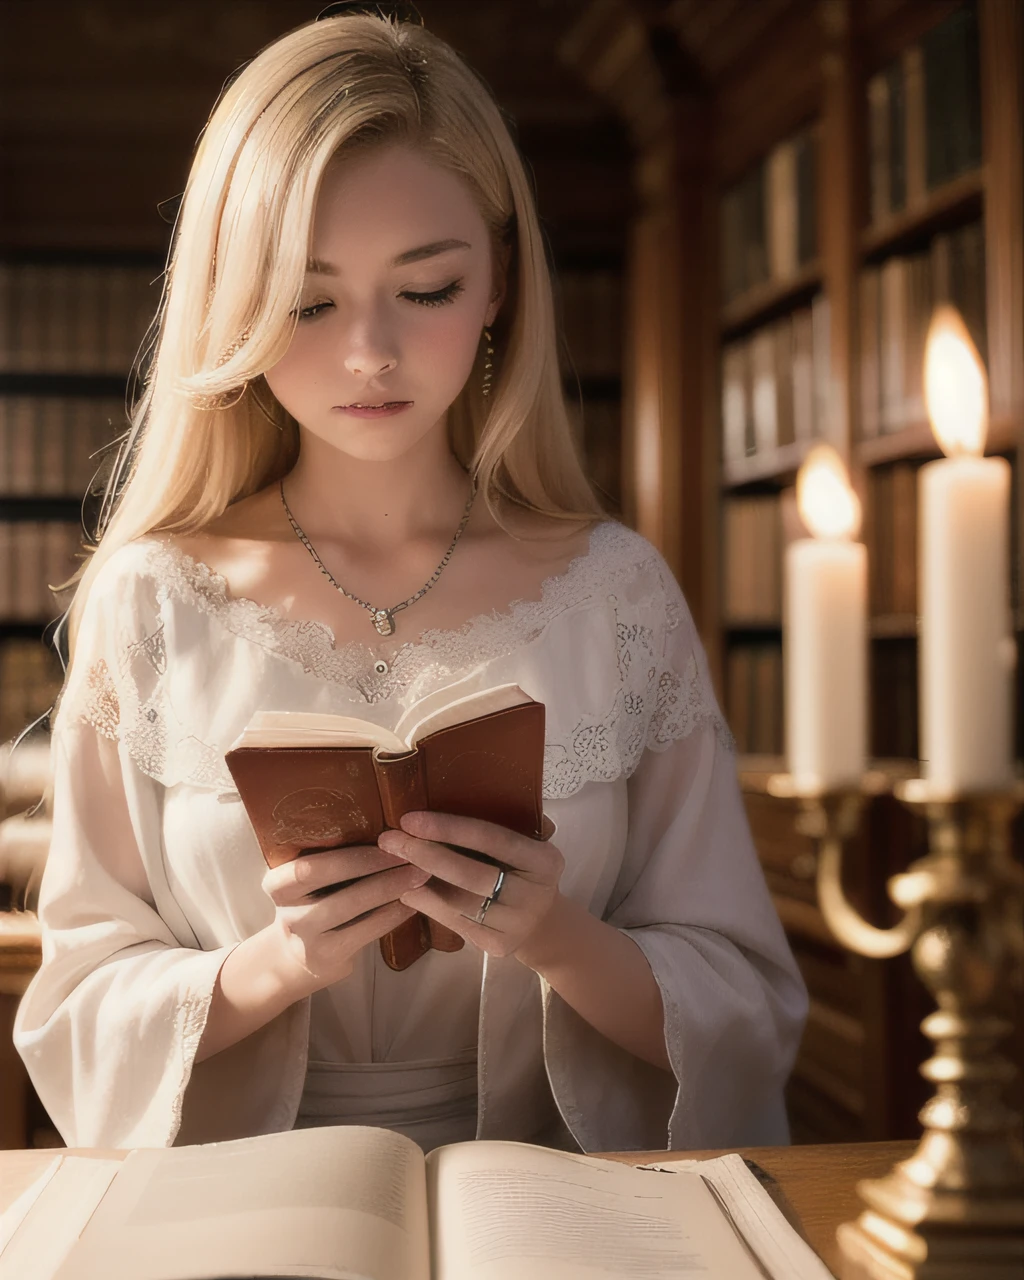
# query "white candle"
(825, 636)
(966, 645)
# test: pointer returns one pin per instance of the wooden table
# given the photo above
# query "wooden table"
(819, 1182)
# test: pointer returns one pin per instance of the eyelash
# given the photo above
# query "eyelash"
(438, 298)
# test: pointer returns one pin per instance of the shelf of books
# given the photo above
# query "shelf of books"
(890, 184)
(924, 244)
(774, 327)
(70, 326)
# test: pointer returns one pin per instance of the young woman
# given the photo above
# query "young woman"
(351, 482)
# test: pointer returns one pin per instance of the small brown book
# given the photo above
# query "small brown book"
(312, 782)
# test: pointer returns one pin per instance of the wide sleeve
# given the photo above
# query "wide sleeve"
(109, 1026)
(691, 895)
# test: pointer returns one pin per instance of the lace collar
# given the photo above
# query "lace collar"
(312, 644)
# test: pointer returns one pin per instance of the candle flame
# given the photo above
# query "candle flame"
(955, 385)
(827, 504)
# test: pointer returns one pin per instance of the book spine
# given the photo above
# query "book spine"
(878, 146)
(806, 196)
(402, 784)
(869, 352)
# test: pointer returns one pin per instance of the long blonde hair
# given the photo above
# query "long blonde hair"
(205, 430)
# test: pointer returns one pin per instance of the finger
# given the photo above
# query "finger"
(365, 895)
(374, 924)
(457, 910)
(500, 843)
(444, 863)
(311, 872)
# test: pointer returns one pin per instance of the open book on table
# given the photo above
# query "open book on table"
(354, 1203)
(311, 782)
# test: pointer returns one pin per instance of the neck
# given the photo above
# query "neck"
(378, 506)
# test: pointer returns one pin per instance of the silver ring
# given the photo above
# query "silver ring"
(491, 898)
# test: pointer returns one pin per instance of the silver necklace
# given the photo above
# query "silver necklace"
(383, 619)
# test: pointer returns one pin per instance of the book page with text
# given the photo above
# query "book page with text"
(501, 1210)
(332, 1203)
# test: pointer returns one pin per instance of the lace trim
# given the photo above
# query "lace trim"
(313, 647)
(190, 1024)
(653, 705)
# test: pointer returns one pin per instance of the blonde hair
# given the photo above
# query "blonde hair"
(205, 431)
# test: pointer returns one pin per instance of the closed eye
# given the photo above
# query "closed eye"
(436, 298)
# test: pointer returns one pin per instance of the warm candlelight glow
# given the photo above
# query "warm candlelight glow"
(827, 504)
(955, 385)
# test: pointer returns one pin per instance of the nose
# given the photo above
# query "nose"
(366, 366)
(369, 351)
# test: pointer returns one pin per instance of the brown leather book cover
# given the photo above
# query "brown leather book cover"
(303, 799)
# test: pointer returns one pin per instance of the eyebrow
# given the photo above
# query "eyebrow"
(315, 266)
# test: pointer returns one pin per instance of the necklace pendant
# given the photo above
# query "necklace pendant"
(384, 622)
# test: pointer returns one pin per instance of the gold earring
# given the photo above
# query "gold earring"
(487, 363)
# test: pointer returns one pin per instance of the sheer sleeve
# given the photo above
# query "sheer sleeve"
(110, 1024)
(690, 893)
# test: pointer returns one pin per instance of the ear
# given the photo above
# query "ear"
(501, 259)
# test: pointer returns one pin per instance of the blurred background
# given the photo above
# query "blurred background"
(751, 210)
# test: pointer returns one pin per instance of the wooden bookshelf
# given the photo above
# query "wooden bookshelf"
(746, 82)
(769, 300)
(952, 204)
(780, 465)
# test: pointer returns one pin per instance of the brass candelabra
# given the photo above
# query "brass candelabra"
(955, 1209)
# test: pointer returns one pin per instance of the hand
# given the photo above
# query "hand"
(533, 869)
(318, 935)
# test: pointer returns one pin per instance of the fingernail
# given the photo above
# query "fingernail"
(421, 880)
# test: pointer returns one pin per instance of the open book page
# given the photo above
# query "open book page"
(314, 729)
(502, 1210)
(438, 710)
(60, 1205)
(757, 1217)
(335, 1203)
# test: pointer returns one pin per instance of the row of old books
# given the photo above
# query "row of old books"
(35, 555)
(52, 446)
(754, 704)
(924, 115)
(82, 318)
(752, 548)
(896, 303)
(775, 383)
(768, 218)
(891, 537)
(753, 697)
(30, 679)
(591, 305)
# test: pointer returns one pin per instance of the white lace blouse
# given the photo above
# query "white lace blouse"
(154, 874)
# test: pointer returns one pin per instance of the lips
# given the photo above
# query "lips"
(382, 404)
